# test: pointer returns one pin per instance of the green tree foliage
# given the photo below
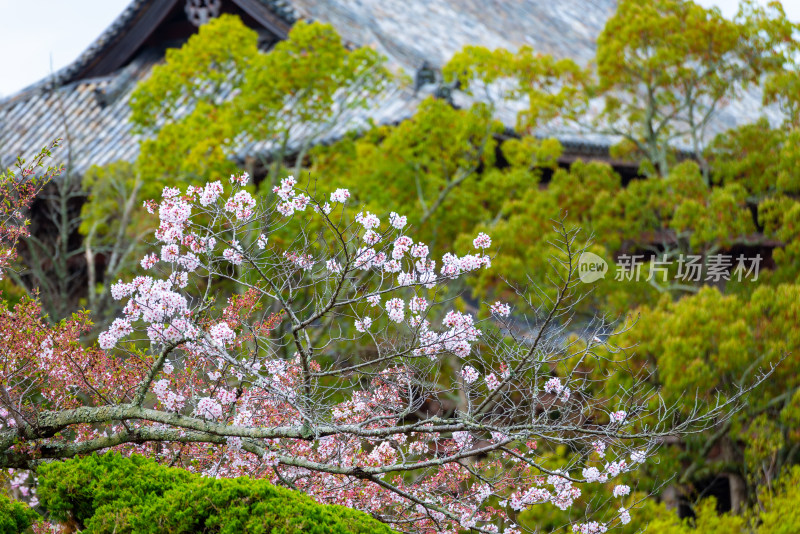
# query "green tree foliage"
(749, 155)
(236, 96)
(775, 513)
(706, 520)
(15, 517)
(665, 68)
(780, 513)
(551, 88)
(428, 165)
(115, 494)
(114, 230)
(211, 99)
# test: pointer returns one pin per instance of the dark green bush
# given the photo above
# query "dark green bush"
(15, 517)
(111, 493)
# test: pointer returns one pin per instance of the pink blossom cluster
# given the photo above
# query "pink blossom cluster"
(624, 515)
(148, 261)
(367, 258)
(234, 443)
(484, 491)
(392, 266)
(226, 397)
(397, 221)
(621, 490)
(371, 237)
(418, 304)
(593, 527)
(118, 329)
(462, 332)
(457, 339)
(170, 253)
(340, 195)
(520, 501)
(406, 279)
(383, 454)
(221, 333)
(419, 250)
(174, 211)
(189, 261)
(564, 493)
(500, 309)
(492, 382)
(453, 266)
(208, 408)
(615, 468)
(301, 261)
(172, 402)
(199, 245)
(555, 387)
(290, 200)
(241, 205)
(154, 302)
(362, 325)
(333, 266)
(234, 254)
(470, 374)
(210, 193)
(396, 309)
(482, 241)
(592, 474)
(241, 180)
(401, 246)
(368, 220)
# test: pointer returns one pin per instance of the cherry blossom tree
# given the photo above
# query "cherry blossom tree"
(18, 187)
(331, 368)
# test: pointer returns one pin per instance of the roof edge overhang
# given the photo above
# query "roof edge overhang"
(126, 34)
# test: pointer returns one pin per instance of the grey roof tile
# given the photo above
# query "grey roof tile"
(408, 32)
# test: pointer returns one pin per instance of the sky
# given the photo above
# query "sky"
(38, 37)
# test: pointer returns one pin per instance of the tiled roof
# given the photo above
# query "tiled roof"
(411, 31)
(281, 8)
(93, 134)
(284, 9)
(93, 115)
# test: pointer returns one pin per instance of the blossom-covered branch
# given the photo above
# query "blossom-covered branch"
(333, 366)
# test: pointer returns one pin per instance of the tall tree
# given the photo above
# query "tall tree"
(666, 68)
(218, 95)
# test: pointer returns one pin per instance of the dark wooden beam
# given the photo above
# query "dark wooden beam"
(128, 42)
(265, 17)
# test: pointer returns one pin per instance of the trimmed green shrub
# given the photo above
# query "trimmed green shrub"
(15, 517)
(111, 493)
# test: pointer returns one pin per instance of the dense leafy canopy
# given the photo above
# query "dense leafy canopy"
(135, 495)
